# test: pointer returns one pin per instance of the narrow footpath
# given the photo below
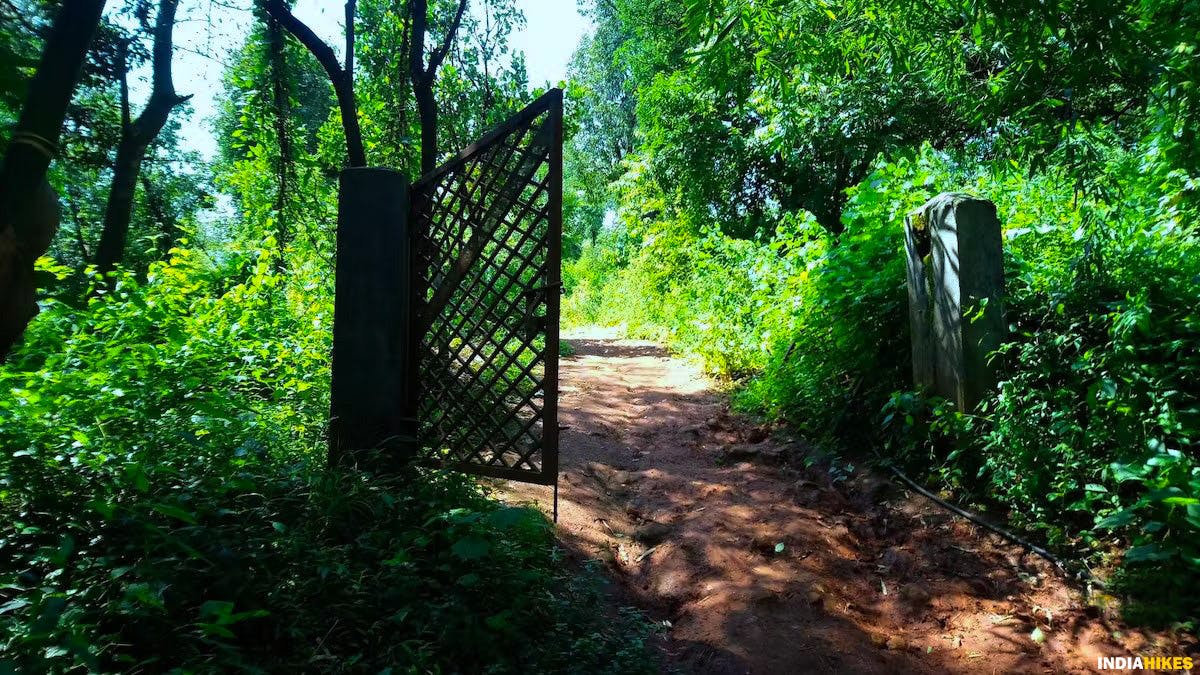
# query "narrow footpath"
(755, 565)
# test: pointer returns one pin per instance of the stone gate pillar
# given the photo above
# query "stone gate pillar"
(955, 293)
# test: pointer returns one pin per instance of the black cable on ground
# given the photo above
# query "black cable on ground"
(1084, 574)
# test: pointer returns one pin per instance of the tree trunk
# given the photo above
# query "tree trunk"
(427, 113)
(117, 213)
(29, 210)
(423, 76)
(282, 101)
(343, 87)
(136, 137)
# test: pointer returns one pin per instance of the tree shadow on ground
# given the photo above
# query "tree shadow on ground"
(769, 568)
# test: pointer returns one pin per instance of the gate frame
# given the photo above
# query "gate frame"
(375, 389)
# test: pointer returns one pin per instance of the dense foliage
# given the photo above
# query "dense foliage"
(757, 223)
(737, 177)
(164, 492)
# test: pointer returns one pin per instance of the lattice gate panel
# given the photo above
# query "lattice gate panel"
(487, 241)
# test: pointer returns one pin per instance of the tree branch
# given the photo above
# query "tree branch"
(282, 100)
(323, 52)
(162, 89)
(84, 254)
(437, 55)
(342, 79)
(407, 33)
(123, 73)
(419, 11)
(350, 6)
(164, 47)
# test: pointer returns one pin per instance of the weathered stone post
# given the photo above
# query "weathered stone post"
(955, 293)
(371, 392)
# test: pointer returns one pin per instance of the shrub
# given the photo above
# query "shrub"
(166, 505)
(1090, 436)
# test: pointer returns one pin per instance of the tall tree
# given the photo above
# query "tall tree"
(29, 209)
(137, 135)
(423, 74)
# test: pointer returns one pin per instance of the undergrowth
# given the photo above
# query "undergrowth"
(259, 569)
(165, 506)
(1090, 438)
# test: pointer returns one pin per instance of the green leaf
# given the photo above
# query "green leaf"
(12, 605)
(216, 630)
(471, 547)
(1125, 472)
(508, 516)
(174, 512)
(1118, 519)
(216, 608)
(137, 475)
(499, 621)
(105, 509)
(1147, 552)
(1193, 516)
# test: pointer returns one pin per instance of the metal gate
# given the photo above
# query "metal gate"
(487, 229)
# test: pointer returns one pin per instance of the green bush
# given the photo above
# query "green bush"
(1091, 435)
(261, 568)
(1092, 432)
(166, 505)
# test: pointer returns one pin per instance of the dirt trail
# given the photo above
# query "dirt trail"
(762, 568)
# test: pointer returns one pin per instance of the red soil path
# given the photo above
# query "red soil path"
(687, 506)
